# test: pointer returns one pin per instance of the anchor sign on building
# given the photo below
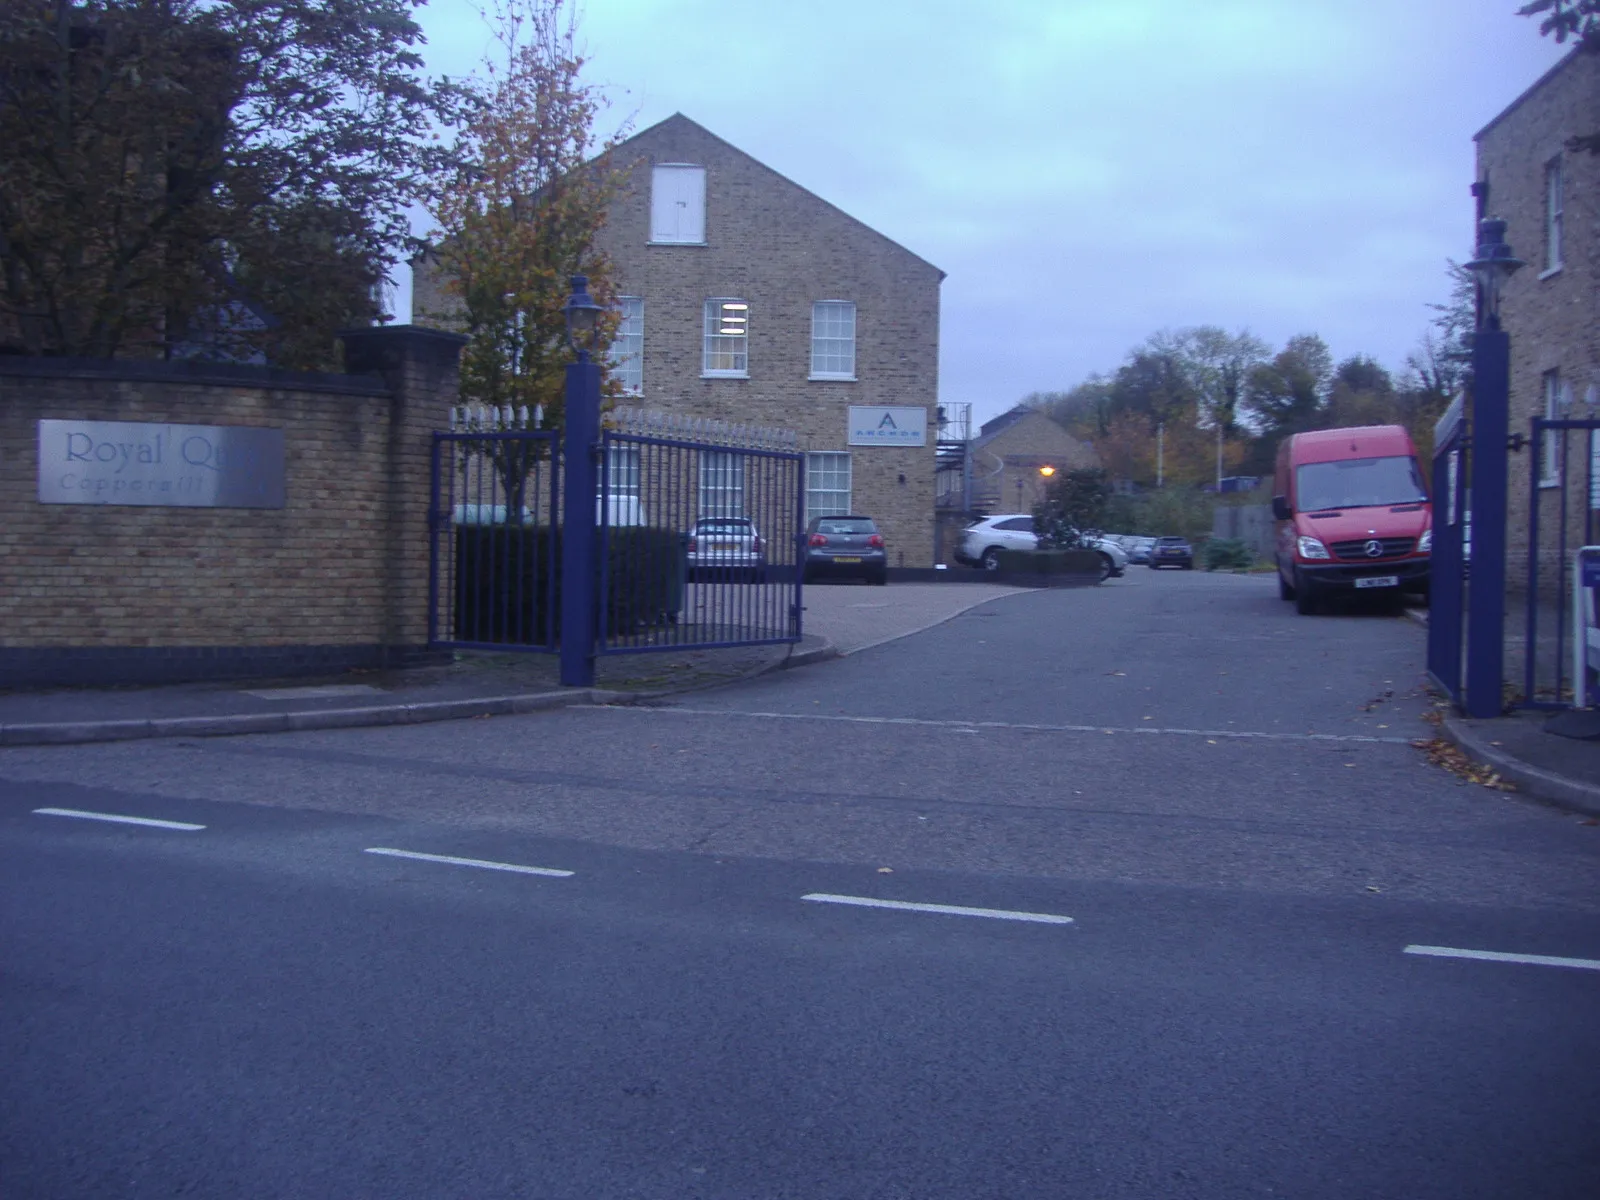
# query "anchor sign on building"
(872, 426)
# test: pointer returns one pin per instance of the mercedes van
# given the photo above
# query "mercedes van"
(1352, 515)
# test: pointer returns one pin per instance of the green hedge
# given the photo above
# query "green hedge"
(1049, 562)
(1225, 554)
(504, 577)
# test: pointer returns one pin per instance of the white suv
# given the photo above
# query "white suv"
(980, 543)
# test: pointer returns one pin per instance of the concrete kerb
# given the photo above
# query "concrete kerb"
(63, 733)
(1558, 790)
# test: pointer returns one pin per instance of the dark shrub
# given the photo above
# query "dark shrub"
(508, 582)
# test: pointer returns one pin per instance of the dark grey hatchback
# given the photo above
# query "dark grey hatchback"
(850, 547)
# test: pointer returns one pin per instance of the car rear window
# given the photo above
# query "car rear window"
(733, 526)
(841, 525)
(1174, 541)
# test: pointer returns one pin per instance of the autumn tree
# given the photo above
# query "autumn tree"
(522, 215)
(207, 177)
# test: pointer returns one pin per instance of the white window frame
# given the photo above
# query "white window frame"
(728, 350)
(627, 348)
(677, 205)
(721, 484)
(622, 469)
(824, 501)
(1554, 216)
(1550, 444)
(833, 339)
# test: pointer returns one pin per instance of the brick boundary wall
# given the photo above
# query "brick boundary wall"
(336, 579)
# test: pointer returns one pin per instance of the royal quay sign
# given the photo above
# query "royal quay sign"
(184, 466)
(888, 426)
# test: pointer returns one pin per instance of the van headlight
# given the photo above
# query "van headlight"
(1425, 542)
(1310, 547)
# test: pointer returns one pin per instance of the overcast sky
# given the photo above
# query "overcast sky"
(1087, 172)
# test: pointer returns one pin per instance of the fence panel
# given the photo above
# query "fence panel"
(701, 538)
(1563, 498)
(494, 536)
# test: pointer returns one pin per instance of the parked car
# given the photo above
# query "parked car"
(850, 547)
(1139, 548)
(726, 544)
(1172, 552)
(981, 543)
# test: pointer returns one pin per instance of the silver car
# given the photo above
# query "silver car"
(726, 545)
(982, 541)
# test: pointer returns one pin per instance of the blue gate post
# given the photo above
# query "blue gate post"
(578, 575)
(1445, 565)
(1491, 431)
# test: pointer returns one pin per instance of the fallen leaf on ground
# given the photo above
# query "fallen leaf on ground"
(1444, 754)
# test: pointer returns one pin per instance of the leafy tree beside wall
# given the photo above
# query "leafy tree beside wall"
(225, 178)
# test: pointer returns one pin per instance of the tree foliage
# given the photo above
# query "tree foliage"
(1286, 395)
(219, 177)
(521, 217)
(1073, 503)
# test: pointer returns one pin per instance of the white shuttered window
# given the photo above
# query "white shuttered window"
(678, 205)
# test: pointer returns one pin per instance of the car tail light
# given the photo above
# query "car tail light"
(817, 539)
(691, 545)
(875, 541)
(755, 546)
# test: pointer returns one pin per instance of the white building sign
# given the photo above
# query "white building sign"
(888, 426)
(183, 466)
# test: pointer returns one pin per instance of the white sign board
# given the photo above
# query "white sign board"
(183, 466)
(888, 426)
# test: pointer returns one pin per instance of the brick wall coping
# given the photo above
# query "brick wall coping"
(202, 373)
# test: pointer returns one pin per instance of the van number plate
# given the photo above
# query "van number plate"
(1379, 581)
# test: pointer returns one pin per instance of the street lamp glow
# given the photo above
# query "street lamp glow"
(1047, 471)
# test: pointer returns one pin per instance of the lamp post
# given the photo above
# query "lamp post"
(1491, 401)
(578, 574)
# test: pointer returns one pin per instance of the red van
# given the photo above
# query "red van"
(1352, 513)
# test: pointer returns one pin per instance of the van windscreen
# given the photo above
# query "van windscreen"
(1358, 483)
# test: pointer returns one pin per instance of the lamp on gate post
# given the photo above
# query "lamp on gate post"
(579, 577)
(583, 318)
(1491, 425)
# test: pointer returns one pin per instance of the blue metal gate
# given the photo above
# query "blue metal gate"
(1563, 500)
(492, 531)
(698, 526)
(1448, 564)
(701, 539)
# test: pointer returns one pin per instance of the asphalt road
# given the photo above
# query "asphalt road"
(1197, 837)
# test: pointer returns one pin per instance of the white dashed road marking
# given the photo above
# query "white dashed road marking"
(970, 726)
(117, 819)
(997, 914)
(1537, 960)
(482, 864)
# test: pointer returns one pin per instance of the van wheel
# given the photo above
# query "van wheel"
(1285, 592)
(1304, 602)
